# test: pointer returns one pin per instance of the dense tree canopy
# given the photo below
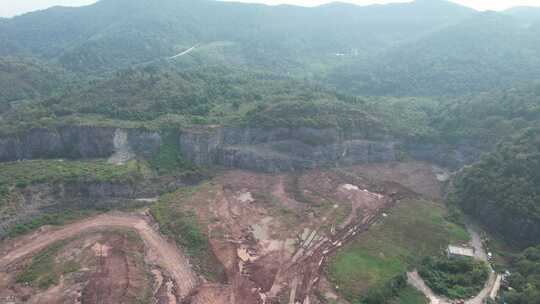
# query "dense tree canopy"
(356, 49)
(524, 279)
(25, 79)
(503, 189)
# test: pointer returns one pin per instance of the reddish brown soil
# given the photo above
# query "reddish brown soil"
(109, 271)
(271, 232)
(275, 245)
(118, 277)
(118, 270)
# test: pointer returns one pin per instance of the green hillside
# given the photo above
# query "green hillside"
(502, 190)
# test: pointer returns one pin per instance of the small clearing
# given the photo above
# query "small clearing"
(491, 287)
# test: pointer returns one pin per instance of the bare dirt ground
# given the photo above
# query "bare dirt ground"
(159, 252)
(273, 233)
(95, 267)
(420, 177)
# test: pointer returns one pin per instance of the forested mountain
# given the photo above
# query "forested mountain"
(525, 279)
(489, 117)
(502, 190)
(485, 51)
(113, 33)
(354, 48)
(23, 79)
(422, 48)
(168, 97)
(117, 33)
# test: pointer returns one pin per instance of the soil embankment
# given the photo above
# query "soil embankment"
(160, 251)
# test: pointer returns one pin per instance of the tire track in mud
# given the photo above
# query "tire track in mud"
(301, 274)
(159, 250)
(310, 265)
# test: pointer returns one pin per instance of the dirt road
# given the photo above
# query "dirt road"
(185, 52)
(491, 287)
(160, 252)
(476, 243)
(416, 281)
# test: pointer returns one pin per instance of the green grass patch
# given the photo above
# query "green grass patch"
(25, 173)
(169, 160)
(42, 272)
(356, 269)
(413, 230)
(409, 295)
(70, 267)
(54, 219)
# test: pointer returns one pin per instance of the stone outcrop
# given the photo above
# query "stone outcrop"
(281, 149)
(270, 150)
(143, 143)
(34, 200)
(67, 142)
(445, 155)
(75, 142)
(201, 146)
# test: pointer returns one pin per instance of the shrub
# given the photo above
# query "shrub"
(455, 278)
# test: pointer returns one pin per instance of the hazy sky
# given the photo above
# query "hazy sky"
(10, 8)
(477, 4)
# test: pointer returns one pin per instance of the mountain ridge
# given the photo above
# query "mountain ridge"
(75, 32)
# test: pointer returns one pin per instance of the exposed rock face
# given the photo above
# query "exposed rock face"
(122, 150)
(68, 142)
(283, 149)
(250, 136)
(270, 150)
(143, 143)
(75, 142)
(279, 149)
(201, 146)
(290, 155)
(448, 156)
(34, 200)
(37, 199)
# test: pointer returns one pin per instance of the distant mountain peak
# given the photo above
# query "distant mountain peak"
(430, 2)
(436, 2)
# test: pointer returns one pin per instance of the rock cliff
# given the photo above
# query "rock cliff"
(283, 149)
(75, 142)
(34, 200)
(270, 150)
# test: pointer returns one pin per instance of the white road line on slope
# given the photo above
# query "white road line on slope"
(185, 52)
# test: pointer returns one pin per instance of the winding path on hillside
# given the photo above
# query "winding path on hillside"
(191, 49)
(160, 251)
(490, 289)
